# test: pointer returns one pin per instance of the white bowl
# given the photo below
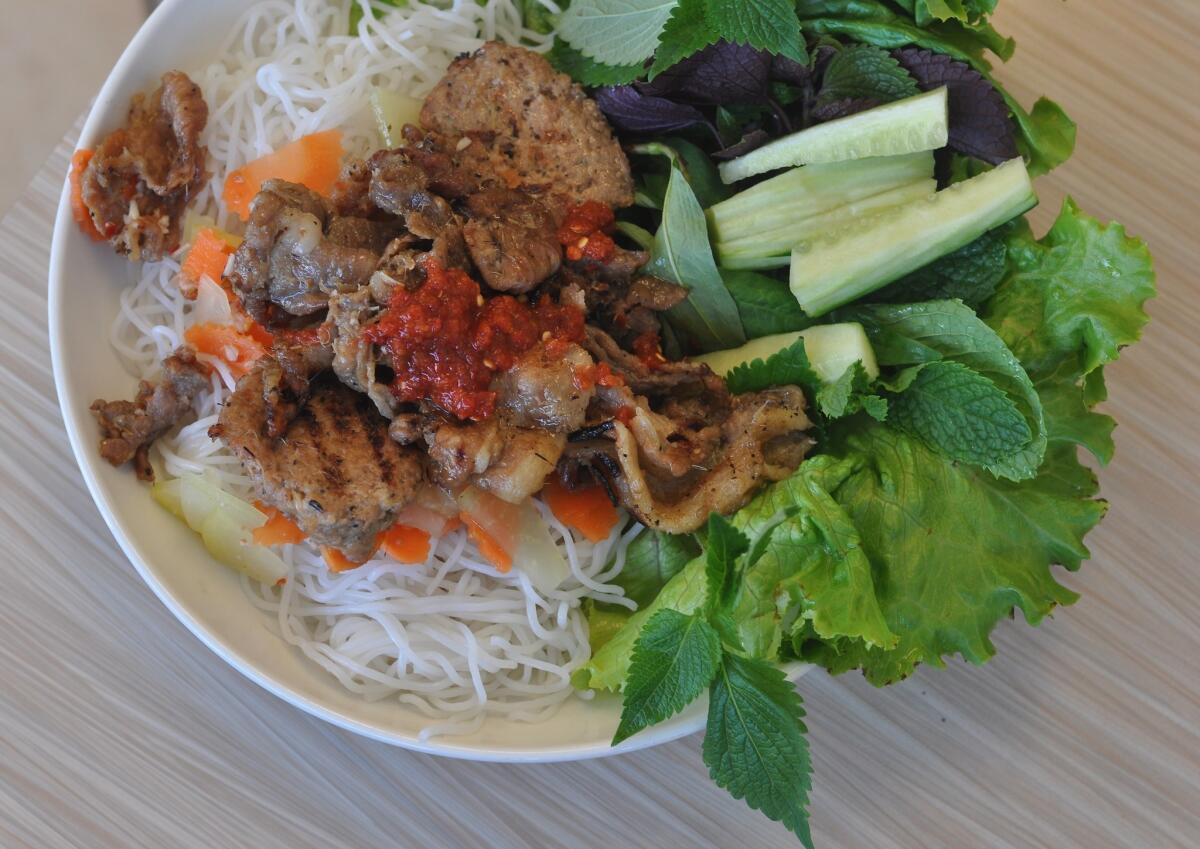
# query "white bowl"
(85, 284)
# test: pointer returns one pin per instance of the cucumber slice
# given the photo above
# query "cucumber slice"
(905, 126)
(772, 248)
(200, 499)
(831, 348)
(871, 252)
(392, 111)
(232, 543)
(805, 192)
(168, 495)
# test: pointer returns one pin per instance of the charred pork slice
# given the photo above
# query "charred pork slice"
(527, 124)
(335, 472)
(129, 428)
(141, 177)
(296, 254)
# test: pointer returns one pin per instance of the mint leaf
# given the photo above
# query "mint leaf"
(651, 560)
(769, 25)
(911, 334)
(954, 550)
(850, 393)
(615, 32)
(765, 305)
(686, 32)
(723, 546)
(862, 71)
(587, 71)
(970, 274)
(674, 659)
(790, 366)
(682, 254)
(754, 742)
(1079, 292)
(959, 413)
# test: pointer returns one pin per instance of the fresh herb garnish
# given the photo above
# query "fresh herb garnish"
(683, 255)
(754, 742)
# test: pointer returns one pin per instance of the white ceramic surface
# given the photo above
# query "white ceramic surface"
(85, 284)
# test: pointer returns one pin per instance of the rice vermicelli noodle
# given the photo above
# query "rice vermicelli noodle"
(452, 638)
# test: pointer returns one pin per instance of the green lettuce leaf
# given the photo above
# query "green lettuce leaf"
(812, 569)
(1079, 293)
(954, 550)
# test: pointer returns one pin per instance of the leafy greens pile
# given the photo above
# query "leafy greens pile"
(941, 494)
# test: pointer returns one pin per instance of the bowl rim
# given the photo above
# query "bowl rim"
(80, 433)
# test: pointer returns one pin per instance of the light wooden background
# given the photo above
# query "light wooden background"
(118, 729)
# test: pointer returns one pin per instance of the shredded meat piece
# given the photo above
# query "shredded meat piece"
(679, 379)
(528, 124)
(141, 177)
(761, 441)
(129, 428)
(335, 472)
(354, 357)
(288, 261)
(401, 187)
(546, 389)
(512, 237)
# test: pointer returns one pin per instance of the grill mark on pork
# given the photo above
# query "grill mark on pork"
(334, 472)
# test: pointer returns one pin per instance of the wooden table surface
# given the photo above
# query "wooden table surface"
(118, 729)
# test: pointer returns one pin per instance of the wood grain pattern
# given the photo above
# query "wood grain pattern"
(118, 729)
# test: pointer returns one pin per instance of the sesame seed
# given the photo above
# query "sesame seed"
(479, 300)
(545, 335)
(463, 143)
(489, 364)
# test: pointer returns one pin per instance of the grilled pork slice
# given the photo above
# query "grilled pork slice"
(335, 471)
(762, 440)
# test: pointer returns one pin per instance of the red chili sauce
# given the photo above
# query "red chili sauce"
(446, 342)
(584, 232)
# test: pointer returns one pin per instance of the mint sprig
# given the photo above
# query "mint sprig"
(754, 744)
